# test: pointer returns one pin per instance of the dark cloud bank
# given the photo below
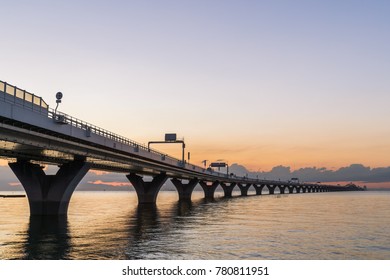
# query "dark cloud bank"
(354, 172)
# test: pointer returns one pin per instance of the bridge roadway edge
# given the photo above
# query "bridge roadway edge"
(35, 135)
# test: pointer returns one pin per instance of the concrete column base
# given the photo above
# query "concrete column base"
(228, 189)
(49, 194)
(271, 189)
(185, 190)
(258, 188)
(244, 189)
(209, 190)
(147, 191)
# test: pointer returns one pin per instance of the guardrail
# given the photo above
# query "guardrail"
(63, 118)
(23, 98)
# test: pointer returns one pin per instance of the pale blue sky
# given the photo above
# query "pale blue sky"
(261, 83)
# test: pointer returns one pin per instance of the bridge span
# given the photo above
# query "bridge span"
(33, 135)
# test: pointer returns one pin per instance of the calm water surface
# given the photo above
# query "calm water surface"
(109, 225)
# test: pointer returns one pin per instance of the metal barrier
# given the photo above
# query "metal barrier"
(90, 128)
(19, 97)
(23, 98)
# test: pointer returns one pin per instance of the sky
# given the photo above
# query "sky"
(299, 84)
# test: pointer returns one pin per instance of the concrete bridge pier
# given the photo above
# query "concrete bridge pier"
(258, 188)
(244, 189)
(185, 190)
(282, 189)
(209, 190)
(147, 191)
(49, 194)
(271, 189)
(228, 188)
(290, 189)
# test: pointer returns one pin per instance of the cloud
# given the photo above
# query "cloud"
(99, 172)
(354, 172)
(14, 184)
(111, 184)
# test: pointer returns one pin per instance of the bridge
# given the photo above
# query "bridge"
(33, 135)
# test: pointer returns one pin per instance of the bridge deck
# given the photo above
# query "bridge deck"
(31, 131)
(39, 133)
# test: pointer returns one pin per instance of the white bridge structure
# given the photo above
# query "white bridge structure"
(32, 135)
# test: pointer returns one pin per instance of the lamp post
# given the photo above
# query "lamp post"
(59, 96)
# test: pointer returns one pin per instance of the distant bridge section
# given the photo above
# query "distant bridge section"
(32, 134)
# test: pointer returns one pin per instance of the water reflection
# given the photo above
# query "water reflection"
(183, 208)
(111, 226)
(47, 238)
(158, 232)
(146, 218)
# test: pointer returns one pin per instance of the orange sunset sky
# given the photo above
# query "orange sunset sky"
(257, 83)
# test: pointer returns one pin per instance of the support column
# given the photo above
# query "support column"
(185, 190)
(290, 189)
(147, 191)
(259, 189)
(298, 189)
(209, 189)
(244, 188)
(228, 188)
(49, 194)
(271, 189)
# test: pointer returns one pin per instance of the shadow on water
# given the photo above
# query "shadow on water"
(152, 230)
(147, 232)
(142, 230)
(201, 229)
(146, 219)
(47, 238)
(183, 208)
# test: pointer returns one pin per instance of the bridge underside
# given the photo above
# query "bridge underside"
(51, 194)
(28, 148)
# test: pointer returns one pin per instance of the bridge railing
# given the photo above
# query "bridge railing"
(118, 139)
(14, 95)
(21, 97)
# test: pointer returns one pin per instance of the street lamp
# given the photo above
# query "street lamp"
(59, 96)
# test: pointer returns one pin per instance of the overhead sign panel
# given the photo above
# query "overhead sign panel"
(170, 137)
(218, 164)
